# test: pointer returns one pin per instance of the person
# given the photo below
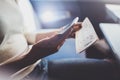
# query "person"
(17, 59)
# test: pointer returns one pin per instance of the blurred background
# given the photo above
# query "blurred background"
(57, 13)
(53, 14)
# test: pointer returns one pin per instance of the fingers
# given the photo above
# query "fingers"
(77, 26)
(56, 41)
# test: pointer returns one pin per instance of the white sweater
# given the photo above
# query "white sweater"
(13, 24)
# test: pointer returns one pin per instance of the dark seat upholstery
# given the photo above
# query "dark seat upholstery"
(81, 69)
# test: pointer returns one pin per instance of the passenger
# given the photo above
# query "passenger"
(17, 59)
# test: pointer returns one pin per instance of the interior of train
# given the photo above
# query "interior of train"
(100, 61)
(65, 64)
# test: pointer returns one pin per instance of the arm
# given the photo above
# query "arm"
(42, 47)
(39, 50)
(33, 38)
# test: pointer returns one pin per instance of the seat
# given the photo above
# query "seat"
(81, 69)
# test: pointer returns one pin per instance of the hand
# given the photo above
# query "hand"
(48, 46)
(75, 27)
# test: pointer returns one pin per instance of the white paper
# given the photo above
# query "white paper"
(86, 36)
